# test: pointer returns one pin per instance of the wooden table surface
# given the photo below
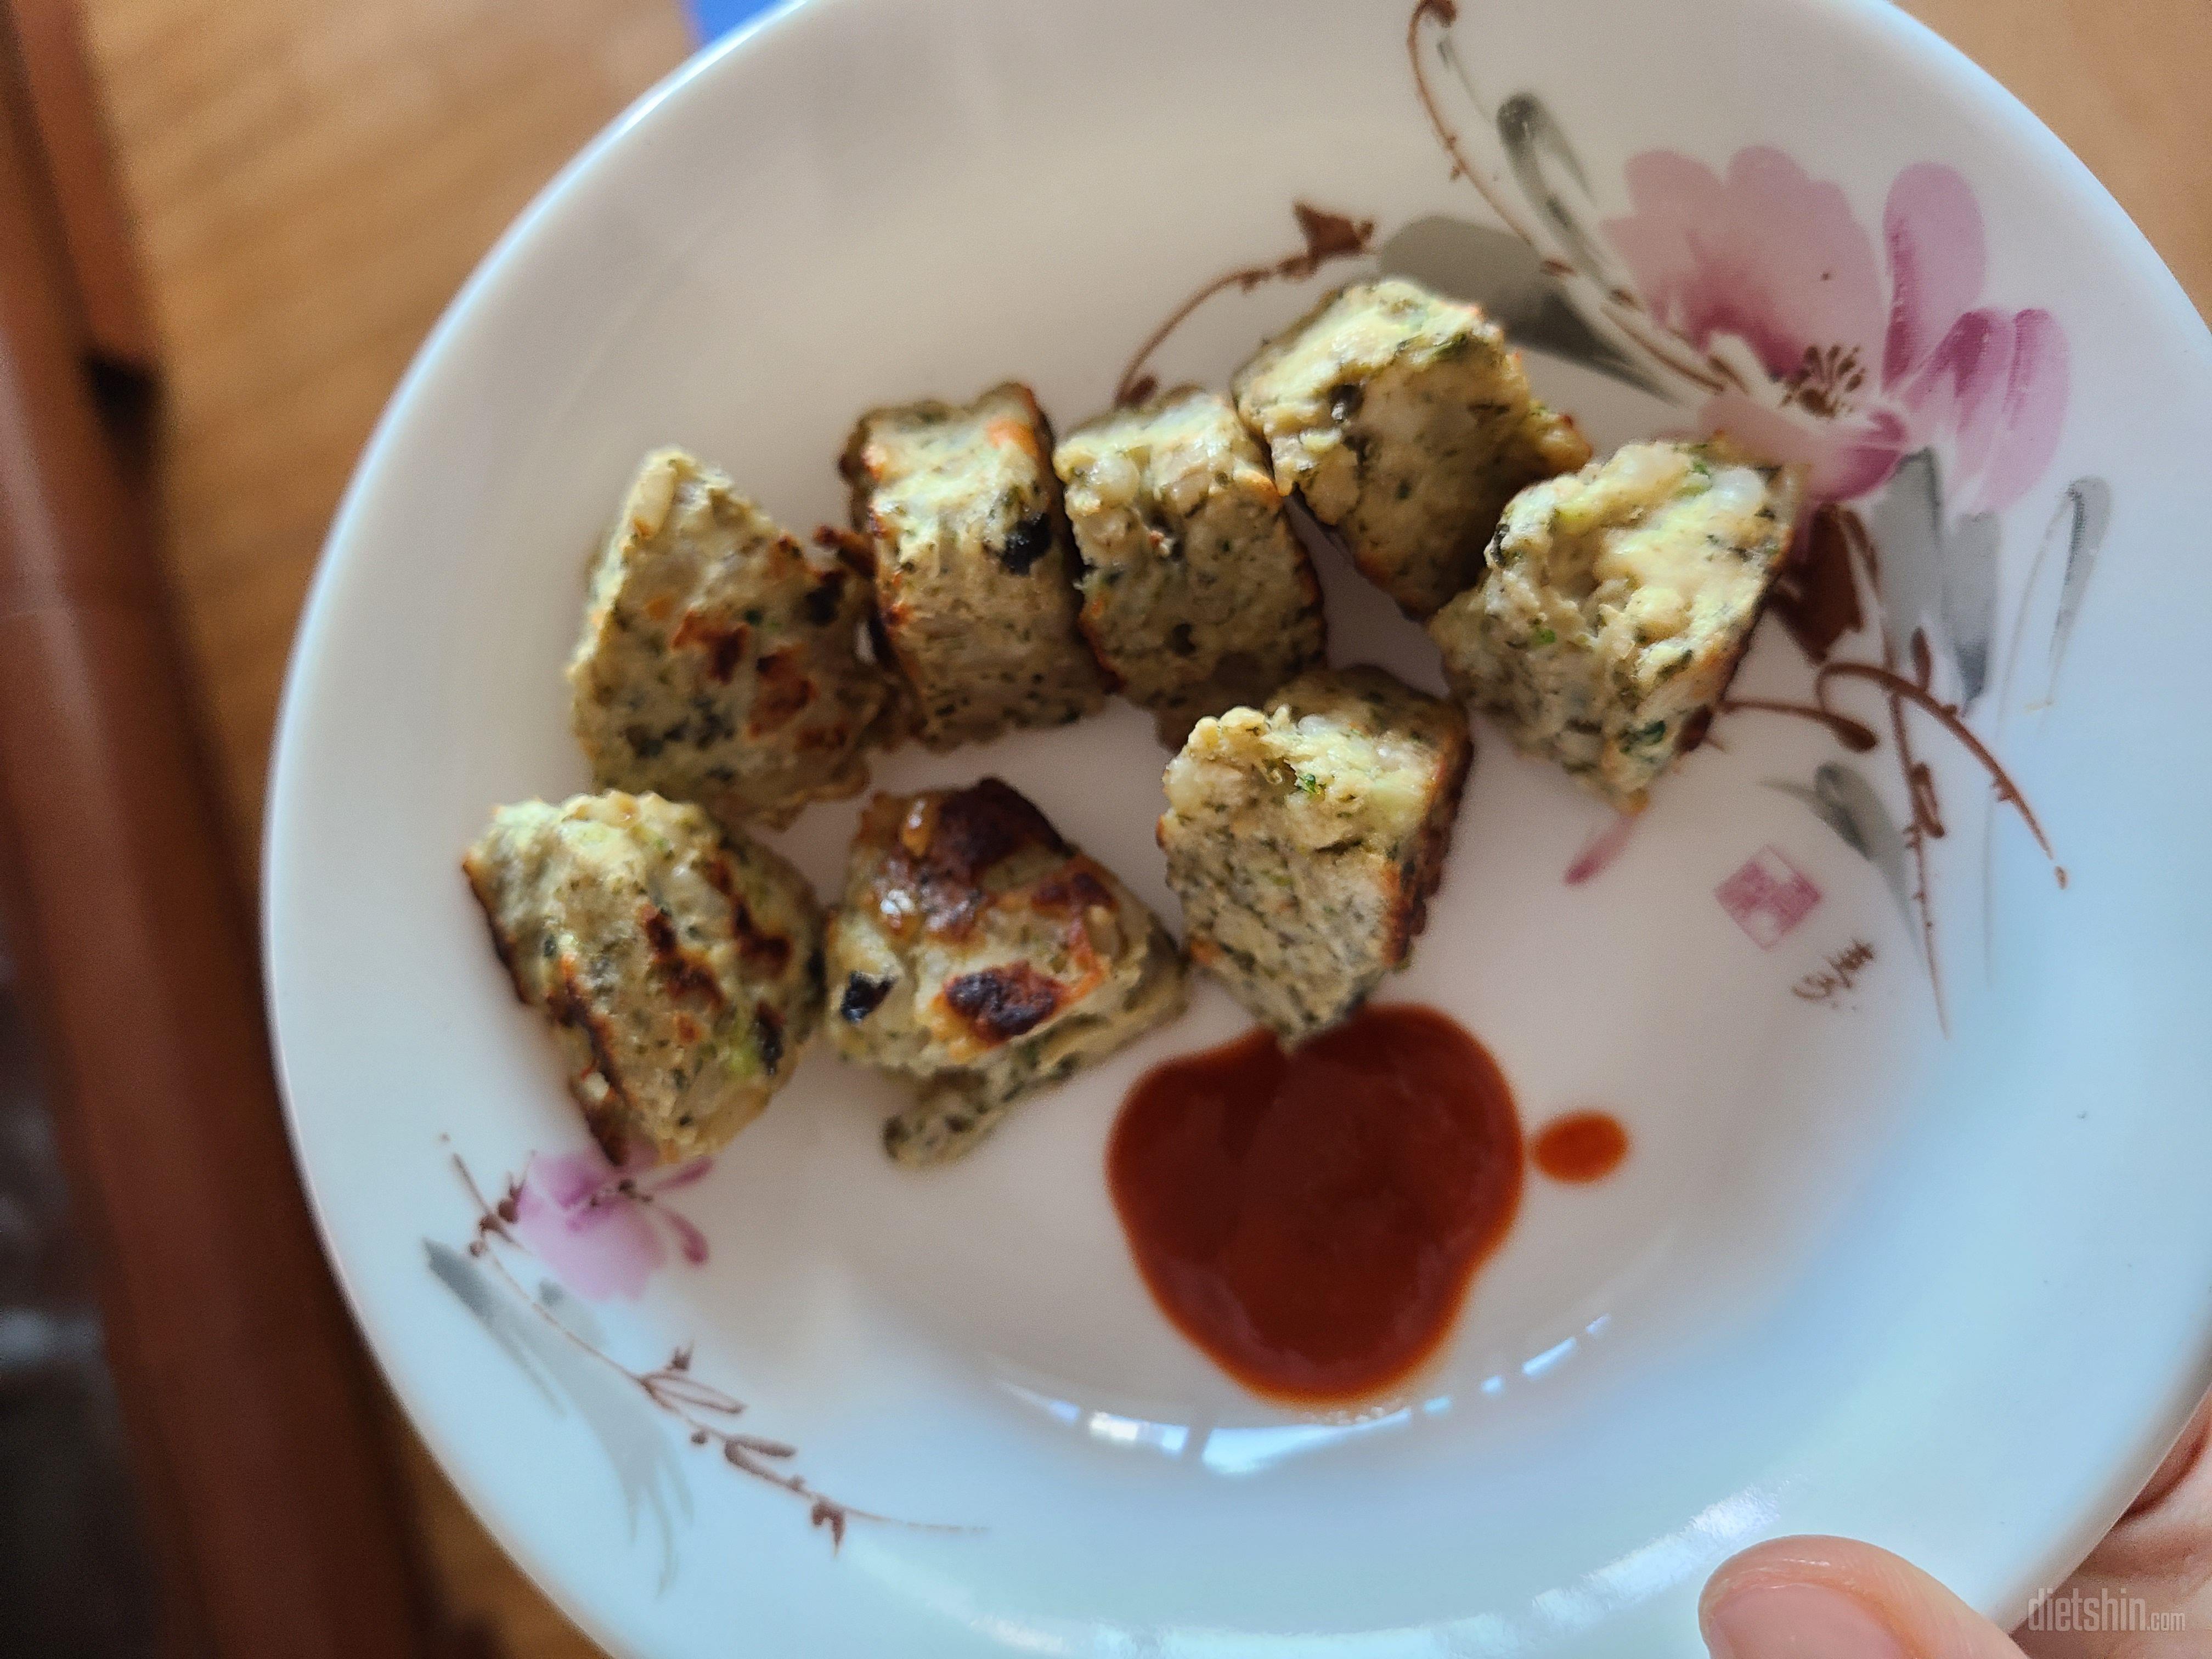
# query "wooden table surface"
(312, 181)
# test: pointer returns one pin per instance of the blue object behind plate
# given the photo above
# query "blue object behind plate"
(715, 18)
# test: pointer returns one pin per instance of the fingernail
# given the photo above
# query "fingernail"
(1796, 1622)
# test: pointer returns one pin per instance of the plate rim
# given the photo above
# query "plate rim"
(2125, 250)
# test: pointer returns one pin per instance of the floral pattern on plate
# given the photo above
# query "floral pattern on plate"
(1751, 295)
(602, 1231)
(596, 1232)
(1765, 263)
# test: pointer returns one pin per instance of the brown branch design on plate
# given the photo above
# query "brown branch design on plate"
(1328, 236)
(1918, 414)
(554, 1336)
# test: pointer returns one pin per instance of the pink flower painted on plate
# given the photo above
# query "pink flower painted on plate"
(1767, 267)
(602, 1232)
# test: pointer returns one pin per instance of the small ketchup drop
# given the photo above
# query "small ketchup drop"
(1581, 1146)
(1312, 1221)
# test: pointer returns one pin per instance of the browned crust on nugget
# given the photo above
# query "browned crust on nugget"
(1423, 871)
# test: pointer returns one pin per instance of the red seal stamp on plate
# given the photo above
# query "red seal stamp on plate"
(1768, 897)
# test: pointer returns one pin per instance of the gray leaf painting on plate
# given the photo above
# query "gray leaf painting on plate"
(1547, 169)
(1876, 391)
(557, 1340)
(1939, 574)
(637, 1446)
(2078, 527)
(1505, 276)
(1893, 382)
(1847, 803)
(1969, 599)
(2085, 515)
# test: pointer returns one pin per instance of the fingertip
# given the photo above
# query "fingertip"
(1793, 1596)
(1836, 1598)
(1808, 1556)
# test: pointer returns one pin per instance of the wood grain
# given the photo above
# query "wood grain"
(2124, 85)
(312, 182)
(96, 233)
(276, 1515)
(312, 178)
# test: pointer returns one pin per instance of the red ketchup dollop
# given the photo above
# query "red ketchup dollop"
(1581, 1146)
(1312, 1222)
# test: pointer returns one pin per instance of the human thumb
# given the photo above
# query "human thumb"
(1832, 1598)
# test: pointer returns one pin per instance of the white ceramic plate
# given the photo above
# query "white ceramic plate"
(1913, 1244)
